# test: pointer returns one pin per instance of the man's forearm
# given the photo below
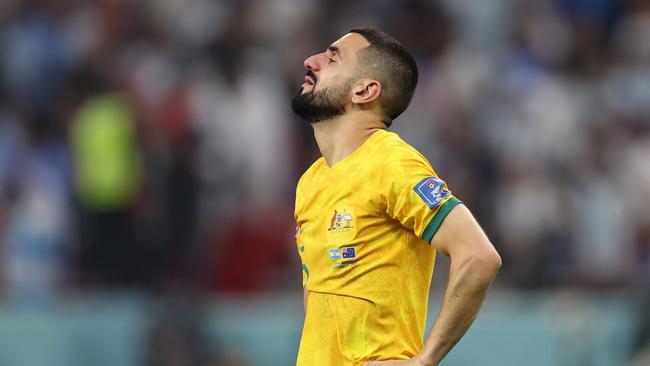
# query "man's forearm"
(469, 280)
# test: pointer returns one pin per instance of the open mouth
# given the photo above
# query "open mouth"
(310, 78)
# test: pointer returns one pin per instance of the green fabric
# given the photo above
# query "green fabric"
(435, 223)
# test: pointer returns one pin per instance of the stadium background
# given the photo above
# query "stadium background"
(148, 157)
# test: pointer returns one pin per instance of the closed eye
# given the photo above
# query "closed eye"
(336, 52)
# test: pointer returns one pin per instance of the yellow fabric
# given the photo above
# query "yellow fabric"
(103, 142)
(371, 305)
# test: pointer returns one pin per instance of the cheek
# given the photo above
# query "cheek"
(327, 82)
(338, 80)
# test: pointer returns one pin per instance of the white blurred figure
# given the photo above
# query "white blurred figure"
(634, 185)
(36, 238)
(602, 228)
(529, 216)
(243, 125)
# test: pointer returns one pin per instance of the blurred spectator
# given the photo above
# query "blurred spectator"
(107, 174)
(37, 226)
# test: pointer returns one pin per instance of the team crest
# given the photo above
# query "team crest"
(432, 191)
(341, 221)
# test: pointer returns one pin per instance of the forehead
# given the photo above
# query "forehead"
(351, 43)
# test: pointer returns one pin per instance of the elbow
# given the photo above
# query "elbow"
(486, 265)
(480, 262)
(494, 261)
(491, 262)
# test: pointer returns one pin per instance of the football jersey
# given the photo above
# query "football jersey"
(363, 232)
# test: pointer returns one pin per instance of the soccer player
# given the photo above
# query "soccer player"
(371, 214)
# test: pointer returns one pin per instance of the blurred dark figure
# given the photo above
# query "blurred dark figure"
(173, 194)
(107, 181)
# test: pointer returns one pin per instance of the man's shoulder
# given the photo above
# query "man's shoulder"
(394, 150)
(309, 173)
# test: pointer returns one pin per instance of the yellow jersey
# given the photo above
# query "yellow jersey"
(363, 232)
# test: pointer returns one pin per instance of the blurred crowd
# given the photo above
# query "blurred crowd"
(150, 143)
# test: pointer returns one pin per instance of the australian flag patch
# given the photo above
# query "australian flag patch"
(348, 252)
(432, 191)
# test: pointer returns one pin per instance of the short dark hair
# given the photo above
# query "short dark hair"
(387, 61)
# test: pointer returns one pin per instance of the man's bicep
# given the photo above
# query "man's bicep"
(460, 234)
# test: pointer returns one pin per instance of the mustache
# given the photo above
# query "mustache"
(312, 76)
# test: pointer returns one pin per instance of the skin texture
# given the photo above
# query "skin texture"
(474, 261)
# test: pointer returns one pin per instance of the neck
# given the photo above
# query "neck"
(340, 137)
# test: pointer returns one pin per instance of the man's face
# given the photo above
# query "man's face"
(325, 93)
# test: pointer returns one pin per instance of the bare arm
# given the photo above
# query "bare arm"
(474, 264)
(305, 297)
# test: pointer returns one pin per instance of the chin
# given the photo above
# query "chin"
(307, 88)
(302, 91)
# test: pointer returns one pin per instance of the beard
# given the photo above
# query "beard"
(316, 106)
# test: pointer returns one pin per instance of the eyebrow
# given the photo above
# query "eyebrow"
(335, 50)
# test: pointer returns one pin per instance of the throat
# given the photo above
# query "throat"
(336, 142)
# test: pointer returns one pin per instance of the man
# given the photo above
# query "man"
(371, 214)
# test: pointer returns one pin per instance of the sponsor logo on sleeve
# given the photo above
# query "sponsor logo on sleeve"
(432, 191)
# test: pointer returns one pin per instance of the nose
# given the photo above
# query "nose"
(312, 62)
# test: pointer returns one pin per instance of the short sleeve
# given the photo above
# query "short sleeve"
(414, 195)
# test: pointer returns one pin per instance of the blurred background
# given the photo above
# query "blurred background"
(148, 157)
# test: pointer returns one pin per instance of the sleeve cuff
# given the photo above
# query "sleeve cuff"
(439, 217)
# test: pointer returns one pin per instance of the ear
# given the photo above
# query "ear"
(366, 91)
